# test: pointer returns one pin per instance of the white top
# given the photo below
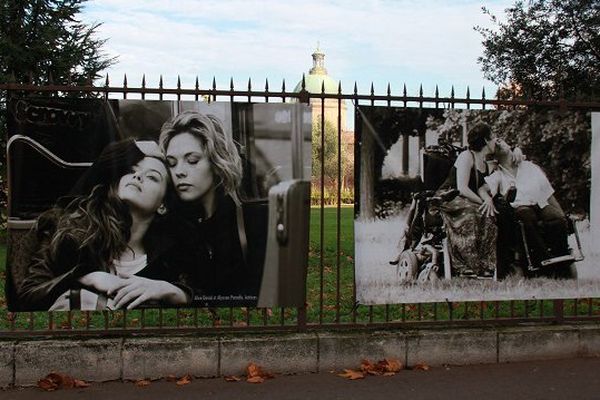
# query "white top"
(131, 267)
(533, 187)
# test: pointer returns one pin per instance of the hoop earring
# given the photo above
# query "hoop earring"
(162, 210)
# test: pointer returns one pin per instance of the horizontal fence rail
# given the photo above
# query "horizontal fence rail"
(331, 291)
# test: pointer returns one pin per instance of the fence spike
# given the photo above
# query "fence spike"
(178, 82)
(483, 93)
(214, 85)
(339, 87)
(323, 87)
(231, 83)
(372, 89)
(283, 86)
(421, 90)
(437, 92)
(389, 89)
(355, 88)
(50, 78)
(266, 84)
(249, 84)
(468, 93)
(197, 84)
(106, 81)
(303, 81)
(404, 92)
(143, 81)
(452, 92)
(160, 82)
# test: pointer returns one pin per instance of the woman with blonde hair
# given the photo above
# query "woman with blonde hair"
(206, 171)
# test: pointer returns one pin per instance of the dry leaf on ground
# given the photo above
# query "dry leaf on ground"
(252, 370)
(232, 378)
(142, 383)
(255, 374)
(47, 384)
(391, 365)
(171, 378)
(184, 380)
(80, 384)
(422, 367)
(352, 375)
(255, 379)
(55, 380)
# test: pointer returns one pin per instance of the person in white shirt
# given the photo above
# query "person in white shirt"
(526, 188)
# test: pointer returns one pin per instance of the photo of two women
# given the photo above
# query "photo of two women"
(172, 211)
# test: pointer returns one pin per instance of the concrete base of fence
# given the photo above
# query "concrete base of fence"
(24, 362)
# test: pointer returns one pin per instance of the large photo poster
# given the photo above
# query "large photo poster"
(118, 204)
(470, 205)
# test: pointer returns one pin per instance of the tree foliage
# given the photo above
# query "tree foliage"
(329, 152)
(545, 48)
(42, 38)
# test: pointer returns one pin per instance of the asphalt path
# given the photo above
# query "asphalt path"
(556, 379)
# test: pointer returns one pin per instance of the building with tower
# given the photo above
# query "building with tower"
(316, 82)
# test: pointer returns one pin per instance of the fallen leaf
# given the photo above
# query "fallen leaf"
(184, 380)
(171, 378)
(352, 375)
(255, 379)
(80, 384)
(392, 365)
(252, 370)
(368, 367)
(232, 378)
(47, 384)
(142, 383)
(422, 367)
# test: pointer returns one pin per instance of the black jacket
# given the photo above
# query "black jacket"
(211, 257)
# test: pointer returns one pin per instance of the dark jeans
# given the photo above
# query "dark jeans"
(546, 231)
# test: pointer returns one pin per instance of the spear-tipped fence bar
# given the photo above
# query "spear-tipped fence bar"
(345, 314)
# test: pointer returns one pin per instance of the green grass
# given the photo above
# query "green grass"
(334, 274)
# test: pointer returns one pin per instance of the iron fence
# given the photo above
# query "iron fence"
(331, 291)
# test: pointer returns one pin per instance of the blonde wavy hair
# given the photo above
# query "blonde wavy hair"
(220, 149)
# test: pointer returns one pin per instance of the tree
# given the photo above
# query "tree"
(330, 157)
(40, 39)
(546, 49)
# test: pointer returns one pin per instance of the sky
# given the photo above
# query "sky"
(368, 41)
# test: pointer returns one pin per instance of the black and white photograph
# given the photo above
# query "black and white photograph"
(473, 205)
(120, 204)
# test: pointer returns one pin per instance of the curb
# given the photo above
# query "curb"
(26, 361)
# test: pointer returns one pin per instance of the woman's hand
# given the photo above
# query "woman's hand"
(487, 208)
(135, 290)
(101, 281)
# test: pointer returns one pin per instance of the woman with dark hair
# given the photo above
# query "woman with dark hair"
(206, 170)
(103, 246)
(471, 230)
